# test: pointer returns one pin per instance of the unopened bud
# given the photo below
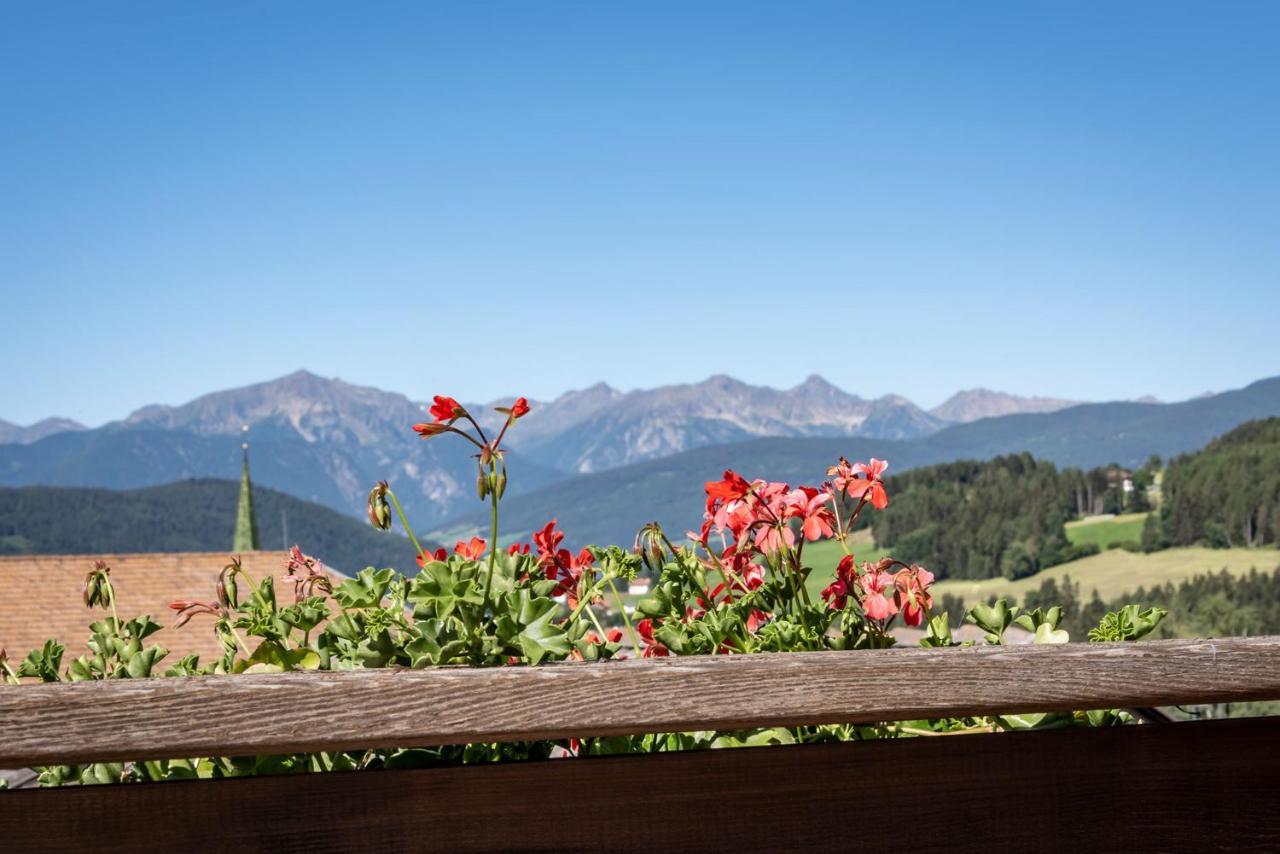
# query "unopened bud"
(482, 485)
(502, 485)
(379, 510)
(228, 593)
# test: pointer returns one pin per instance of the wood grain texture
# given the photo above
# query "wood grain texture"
(1170, 787)
(292, 712)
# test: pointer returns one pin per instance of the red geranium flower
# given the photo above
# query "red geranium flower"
(652, 649)
(757, 619)
(547, 541)
(445, 408)
(869, 483)
(875, 604)
(472, 550)
(439, 554)
(913, 593)
(519, 408)
(815, 511)
(837, 592)
(732, 488)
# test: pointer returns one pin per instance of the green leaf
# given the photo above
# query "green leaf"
(43, 663)
(366, 590)
(539, 637)
(270, 657)
(993, 619)
(442, 592)
(1046, 634)
(140, 664)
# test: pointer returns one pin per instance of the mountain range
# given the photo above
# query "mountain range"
(329, 441)
(609, 506)
(17, 434)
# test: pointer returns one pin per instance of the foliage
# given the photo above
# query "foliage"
(737, 587)
(1217, 604)
(191, 515)
(1002, 517)
(1197, 509)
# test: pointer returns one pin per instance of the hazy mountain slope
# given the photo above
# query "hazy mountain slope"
(608, 506)
(15, 433)
(194, 515)
(328, 441)
(975, 403)
(1098, 433)
(323, 440)
(654, 423)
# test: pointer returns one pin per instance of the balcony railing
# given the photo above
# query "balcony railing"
(1177, 786)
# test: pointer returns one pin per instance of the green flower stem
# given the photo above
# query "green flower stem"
(395, 502)
(626, 618)
(843, 536)
(111, 600)
(797, 566)
(239, 641)
(596, 622)
(493, 533)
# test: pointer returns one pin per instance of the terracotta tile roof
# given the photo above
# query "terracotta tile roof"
(41, 597)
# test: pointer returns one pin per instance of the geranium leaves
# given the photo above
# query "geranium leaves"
(538, 635)
(1129, 623)
(366, 590)
(442, 592)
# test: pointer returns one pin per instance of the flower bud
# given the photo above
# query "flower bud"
(379, 510)
(228, 592)
(482, 485)
(428, 429)
(502, 485)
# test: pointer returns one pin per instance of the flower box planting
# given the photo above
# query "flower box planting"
(510, 698)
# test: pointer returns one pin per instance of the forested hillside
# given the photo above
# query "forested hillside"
(1229, 493)
(191, 515)
(978, 519)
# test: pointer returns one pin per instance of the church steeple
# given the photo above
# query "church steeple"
(246, 534)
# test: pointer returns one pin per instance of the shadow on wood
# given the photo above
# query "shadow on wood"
(1171, 787)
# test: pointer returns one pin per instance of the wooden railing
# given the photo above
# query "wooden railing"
(1180, 786)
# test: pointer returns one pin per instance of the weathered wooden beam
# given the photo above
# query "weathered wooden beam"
(308, 711)
(1192, 787)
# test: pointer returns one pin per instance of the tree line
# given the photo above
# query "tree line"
(1225, 495)
(1000, 517)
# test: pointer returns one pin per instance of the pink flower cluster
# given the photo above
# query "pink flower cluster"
(880, 592)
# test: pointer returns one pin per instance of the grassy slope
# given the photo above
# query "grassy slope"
(1105, 530)
(1116, 572)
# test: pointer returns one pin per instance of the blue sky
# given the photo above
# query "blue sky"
(1075, 199)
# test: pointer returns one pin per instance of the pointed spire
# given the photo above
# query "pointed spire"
(246, 533)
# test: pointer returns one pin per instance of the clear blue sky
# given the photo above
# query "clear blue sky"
(1075, 199)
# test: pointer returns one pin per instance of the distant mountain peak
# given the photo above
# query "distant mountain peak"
(11, 433)
(976, 403)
